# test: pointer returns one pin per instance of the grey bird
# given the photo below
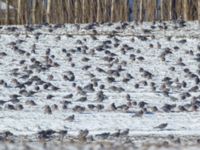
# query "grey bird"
(83, 133)
(82, 99)
(161, 126)
(103, 135)
(100, 97)
(138, 113)
(47, 109)
(113, 107)
(115, 134)
(70, 118)
(68, 96)
(124, 133)
(30, 102)
(62, 134)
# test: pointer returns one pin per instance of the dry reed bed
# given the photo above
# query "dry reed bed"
(84, 11)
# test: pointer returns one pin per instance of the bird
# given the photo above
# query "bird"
(62, 134)
(183, 41)
(83, 134)
(69, 75)
(168, 107)
(125, 132)
(89, 88)
(49, 96)
(9, 107)
(47, 109)
(82, 99)
(113, 107)
(70, 118)
(91, 106)
(69, 96)
(110, 79)
(2, 102)
(103, 135)
(30, 102)
(138, 113)
(115, 134)
(19, 107)
(78, 108)
(100, 97)
(45, 134)
(100, 107)
(54, 107)
(161, 126)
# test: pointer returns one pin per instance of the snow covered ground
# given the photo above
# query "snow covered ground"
(111, 77)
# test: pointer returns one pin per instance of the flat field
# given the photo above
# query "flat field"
(101, 86)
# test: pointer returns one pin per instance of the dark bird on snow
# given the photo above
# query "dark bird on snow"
(100, 96)
(45, 134)
(113, 107)
(47, 109)
(124, 133)
(30, 102)
(83, 134)
(115, 134)
(82, 99)
(91, 106)
(161, 126)
(138, 113)
(103, 135)
(68, 96)
(69, 75)
(70, 118)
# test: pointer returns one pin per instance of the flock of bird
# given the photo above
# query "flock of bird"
(98, 73)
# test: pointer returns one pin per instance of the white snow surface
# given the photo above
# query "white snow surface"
(32, 119)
